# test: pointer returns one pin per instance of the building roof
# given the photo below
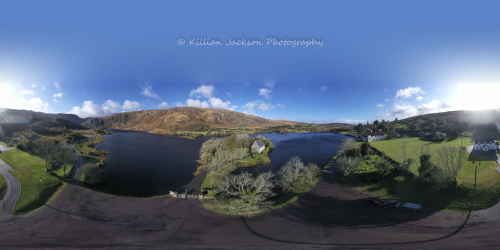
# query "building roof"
(260, 143)
(375, 133)
(483, 140)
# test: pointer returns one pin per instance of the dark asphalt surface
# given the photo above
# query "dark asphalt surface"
(331, 215)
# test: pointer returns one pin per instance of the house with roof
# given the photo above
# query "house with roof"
(485, 144)
(368, 137)
(441, 134)
(258, 146)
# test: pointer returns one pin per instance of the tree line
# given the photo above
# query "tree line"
(55, 154)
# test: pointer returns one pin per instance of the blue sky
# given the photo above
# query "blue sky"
(372, 60)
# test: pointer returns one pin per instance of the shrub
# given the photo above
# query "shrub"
(22, 147)
(94, 175)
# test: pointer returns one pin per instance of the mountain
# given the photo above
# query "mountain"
(181, 119)
(13, 120)
(460, 116)
(69, 117)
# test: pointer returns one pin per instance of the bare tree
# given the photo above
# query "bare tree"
(239, 153)
(449, 160)
(289, 173)
(243, 140)
(218, 161)
(311, 172)
(403, 155)
(419, 150)
(245, 193)
(347, 165)
(347, 144)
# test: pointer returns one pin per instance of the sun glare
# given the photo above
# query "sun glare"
(477, 96)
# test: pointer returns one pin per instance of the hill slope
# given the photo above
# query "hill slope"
(181, 119)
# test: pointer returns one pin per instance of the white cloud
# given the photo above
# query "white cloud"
(147, 90)
(58, 87)
(270, 85)
(58, 95)
(37, 102)
(265, 92)
(219, 104)
(43, 87)
(179, 104)
(250, 108)
(229, 94)
(89, 109)
(280, 105)
(400, 111)
(132, 106)
(324, 87)
(419, 98)
(55, 100)
(433, 106)
(26, 92)
(163, 105)
(266, 106)
(204, 90)
(251, 105)
(33, 85)
(380, 105)
(387, 100)
(197, 104)
(408, 92)
(112, 104)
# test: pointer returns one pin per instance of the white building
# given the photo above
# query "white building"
(258, 146)
(368, 137)
(484, 144)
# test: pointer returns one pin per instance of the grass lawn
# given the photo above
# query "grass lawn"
(28, 170)
(408, 189)
(3, 144)
(3, 186)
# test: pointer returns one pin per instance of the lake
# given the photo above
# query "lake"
(144, 165)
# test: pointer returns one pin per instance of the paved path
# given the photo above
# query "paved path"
(3, 149)
(8, 201)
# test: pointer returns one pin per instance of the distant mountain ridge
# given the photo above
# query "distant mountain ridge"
(181, 119)
(28, 116)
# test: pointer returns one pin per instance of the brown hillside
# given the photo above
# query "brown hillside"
(181, 119)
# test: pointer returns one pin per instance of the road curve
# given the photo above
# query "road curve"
(330, 215)
(9, 199)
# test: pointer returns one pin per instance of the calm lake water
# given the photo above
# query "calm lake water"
(143, 164)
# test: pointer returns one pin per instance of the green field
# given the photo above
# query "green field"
(407, 188)
(392, 148)
(3, 144)
(28, 170)
(3, 186)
